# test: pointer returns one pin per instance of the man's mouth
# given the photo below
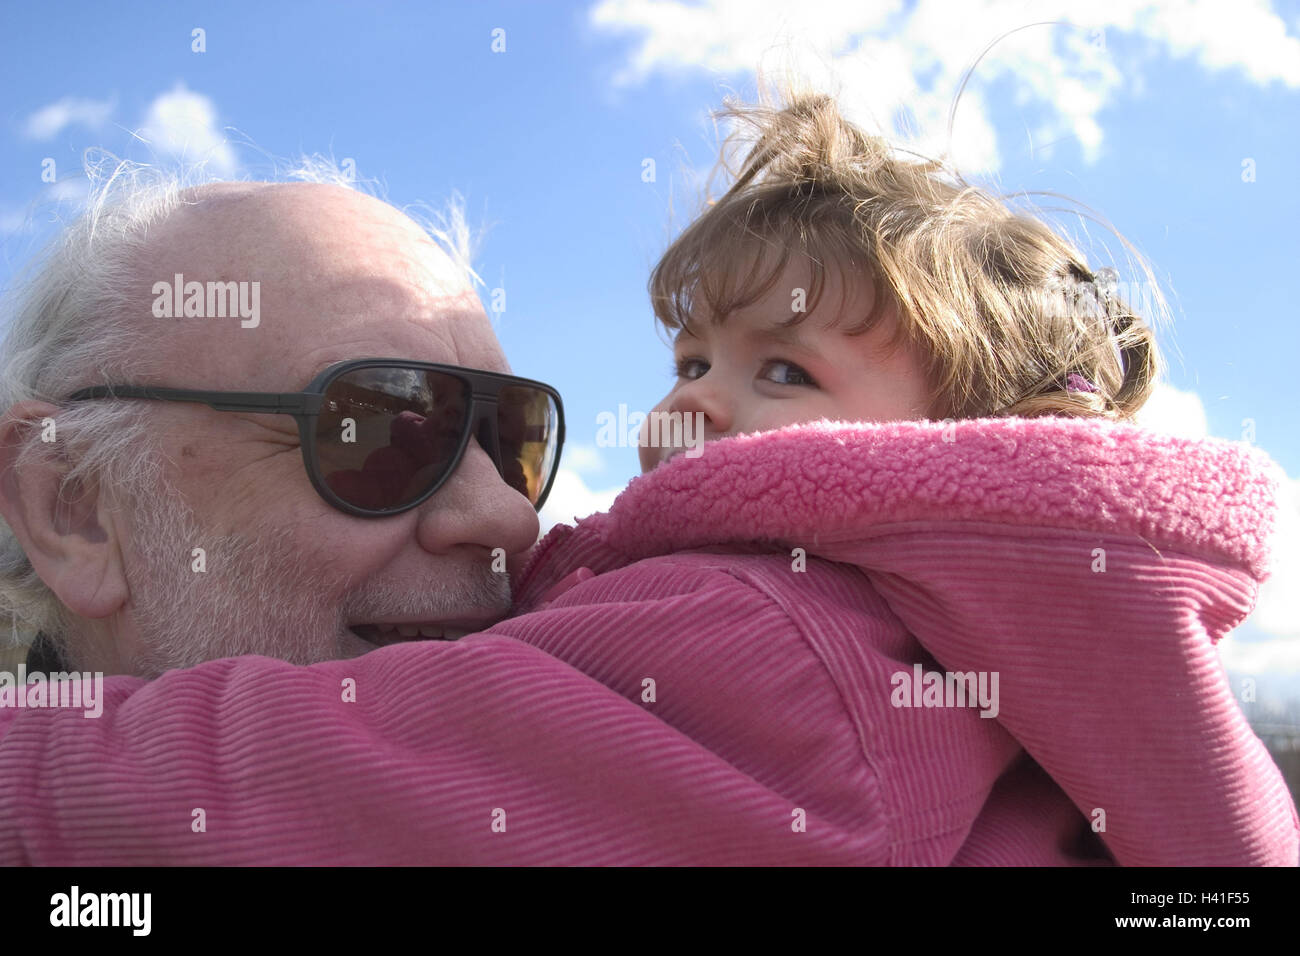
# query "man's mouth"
(383, 633)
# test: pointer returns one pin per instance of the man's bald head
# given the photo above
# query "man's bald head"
(319, 253)
(263, 219)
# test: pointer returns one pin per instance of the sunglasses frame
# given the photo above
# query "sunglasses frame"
(305, 406)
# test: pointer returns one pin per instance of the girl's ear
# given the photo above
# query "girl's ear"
(68, 534)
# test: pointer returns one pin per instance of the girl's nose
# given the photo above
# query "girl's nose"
(708, 397)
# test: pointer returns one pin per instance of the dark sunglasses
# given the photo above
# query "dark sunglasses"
(379, 436)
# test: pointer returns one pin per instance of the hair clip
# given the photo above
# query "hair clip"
(1077, 383)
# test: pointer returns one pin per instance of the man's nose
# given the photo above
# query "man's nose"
(476, 507)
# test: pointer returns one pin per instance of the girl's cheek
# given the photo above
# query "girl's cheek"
(648, 456)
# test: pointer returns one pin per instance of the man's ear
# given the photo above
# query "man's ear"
(66, 530)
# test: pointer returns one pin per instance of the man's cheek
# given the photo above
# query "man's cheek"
(349, 555)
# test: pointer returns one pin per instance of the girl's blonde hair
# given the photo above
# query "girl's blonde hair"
(1005, 309)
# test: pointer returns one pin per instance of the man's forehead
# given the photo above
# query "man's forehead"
(287, 229)
(436, 334)
(333, 274)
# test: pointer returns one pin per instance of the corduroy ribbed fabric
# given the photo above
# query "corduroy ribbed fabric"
(682, 685)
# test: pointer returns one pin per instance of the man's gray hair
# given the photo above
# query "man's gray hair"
(67, 327)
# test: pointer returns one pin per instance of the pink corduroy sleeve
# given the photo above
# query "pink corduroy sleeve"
(483, 751)
(1117, 692)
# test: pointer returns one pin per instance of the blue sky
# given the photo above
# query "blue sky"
(1146, 112)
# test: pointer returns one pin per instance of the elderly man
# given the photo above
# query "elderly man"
(342, 462)
(155, 533)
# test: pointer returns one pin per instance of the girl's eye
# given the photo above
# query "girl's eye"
(690, 368)
(786, 373)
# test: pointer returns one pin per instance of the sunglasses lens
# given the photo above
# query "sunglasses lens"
(528, 427)
(386, 435)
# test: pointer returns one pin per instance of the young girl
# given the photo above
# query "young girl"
(1027, 591)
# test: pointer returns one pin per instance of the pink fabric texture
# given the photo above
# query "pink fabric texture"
(682, 685)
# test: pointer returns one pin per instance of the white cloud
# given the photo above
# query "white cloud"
(583, 458)
(1172, 411)
(49, 121)
(570, 498)
(1221, 34)
(1278, 610)
(1276, 656)
(183, 124)
(879, 57)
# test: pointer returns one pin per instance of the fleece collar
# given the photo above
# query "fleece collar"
(833, 481)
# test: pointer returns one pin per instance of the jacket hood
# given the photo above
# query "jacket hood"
(834, 482)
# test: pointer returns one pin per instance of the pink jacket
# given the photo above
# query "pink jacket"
(683, 686)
